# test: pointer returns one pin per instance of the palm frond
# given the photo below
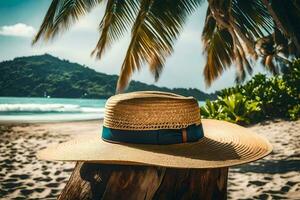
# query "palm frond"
(118, 16)
(269, 63)
(286, 15)
(47, 22)
(61, 14)
(252, 18)
(219, 53)
(244, 22)
(156, 27)
(282, 43)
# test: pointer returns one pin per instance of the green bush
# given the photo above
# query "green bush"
(238, 109)
(212, 110)
(294, 112)
(260, 98)
(233, 108)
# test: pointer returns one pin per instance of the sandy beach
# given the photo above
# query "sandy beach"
(22, 176)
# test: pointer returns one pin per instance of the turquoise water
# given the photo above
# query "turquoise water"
(16, 109)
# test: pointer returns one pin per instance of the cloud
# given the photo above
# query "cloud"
(17, 30)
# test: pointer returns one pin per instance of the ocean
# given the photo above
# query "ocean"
(16, 109)
(28, 109)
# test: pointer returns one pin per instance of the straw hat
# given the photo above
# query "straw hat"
(162, 129)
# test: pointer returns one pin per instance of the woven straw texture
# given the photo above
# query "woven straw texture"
(151, 111)
(225, 144)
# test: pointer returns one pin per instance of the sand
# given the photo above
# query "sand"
(278, 175)
(22, 176)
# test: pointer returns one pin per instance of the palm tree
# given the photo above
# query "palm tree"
(233, 31)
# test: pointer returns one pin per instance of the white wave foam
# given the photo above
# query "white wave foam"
(49, 118)
(92, 110)
(43, 108)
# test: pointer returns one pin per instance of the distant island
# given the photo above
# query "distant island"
(46, 75)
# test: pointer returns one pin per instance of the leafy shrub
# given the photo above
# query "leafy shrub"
(259, 98)
(238, 109)
(233, 108)
(294, 112)
(212, 110)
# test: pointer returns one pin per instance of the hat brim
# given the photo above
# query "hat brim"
(224, 144)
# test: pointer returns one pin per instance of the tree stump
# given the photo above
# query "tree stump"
(107, 181)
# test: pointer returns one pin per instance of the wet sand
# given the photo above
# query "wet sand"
(22, 176)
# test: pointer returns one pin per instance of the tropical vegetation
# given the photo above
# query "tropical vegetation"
(261, 98)
(46, 75)
(235, 33)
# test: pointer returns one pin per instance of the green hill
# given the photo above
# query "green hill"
(35, 76)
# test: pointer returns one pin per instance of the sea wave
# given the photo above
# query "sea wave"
(36, 118)
(49, 108)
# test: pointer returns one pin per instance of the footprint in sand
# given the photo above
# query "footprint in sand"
(39, 190)
(257, 183)
(40, 179)
(20, 176)
(57, 172)
(46, 173)
(11, 185)
(59, 179)
(285, 189)
(26, 192)
(52, 185)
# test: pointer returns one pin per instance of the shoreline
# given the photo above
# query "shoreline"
(22, 175)
(16, 123)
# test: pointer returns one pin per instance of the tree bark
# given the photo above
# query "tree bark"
(105, 181)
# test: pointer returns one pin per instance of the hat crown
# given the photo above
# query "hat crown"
(149, 110)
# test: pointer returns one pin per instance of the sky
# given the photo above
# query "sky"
(20, 19)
